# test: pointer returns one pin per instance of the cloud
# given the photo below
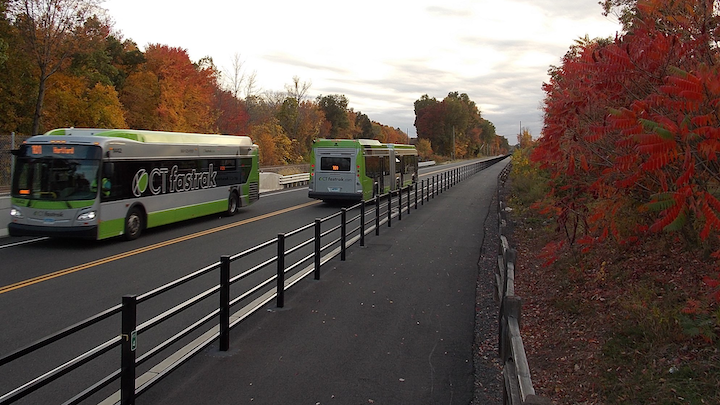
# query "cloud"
(384, 55)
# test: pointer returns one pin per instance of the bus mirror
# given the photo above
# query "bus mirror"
(15, 152)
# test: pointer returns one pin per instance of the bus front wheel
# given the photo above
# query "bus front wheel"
(133, 224)
(233, 204)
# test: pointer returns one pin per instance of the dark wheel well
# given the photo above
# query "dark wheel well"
(233, 203)
(134, 223)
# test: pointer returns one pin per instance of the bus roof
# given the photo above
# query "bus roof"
(356, 143)
(156, 136)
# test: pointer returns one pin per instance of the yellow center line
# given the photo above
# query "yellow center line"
(119, 256)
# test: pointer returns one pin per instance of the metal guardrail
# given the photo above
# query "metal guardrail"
(264, 277)
(294, 179)
(517, 384)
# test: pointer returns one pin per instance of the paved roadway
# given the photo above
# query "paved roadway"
(394, 324)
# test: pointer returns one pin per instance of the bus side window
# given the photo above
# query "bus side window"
(108, 182)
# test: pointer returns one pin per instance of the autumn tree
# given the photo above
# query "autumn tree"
(275, 146)
(640, 153)
(424, 149)
(455, 126)
(237, 80)
(232, 115)
(48, 29)
(229, 102)
(70, 102)
(525, 139)
(17, 78)
(171, 93)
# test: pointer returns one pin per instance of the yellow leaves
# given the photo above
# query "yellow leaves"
(70, 102)
(275, 146)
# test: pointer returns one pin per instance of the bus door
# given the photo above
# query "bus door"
(393, 175)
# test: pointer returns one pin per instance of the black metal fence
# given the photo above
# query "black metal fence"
(7, 143)
(266, 272)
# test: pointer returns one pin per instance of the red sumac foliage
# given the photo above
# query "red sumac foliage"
(635, 121)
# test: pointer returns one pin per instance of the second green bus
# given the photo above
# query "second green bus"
(359, 169)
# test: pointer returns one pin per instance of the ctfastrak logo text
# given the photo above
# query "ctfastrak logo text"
(160, 180)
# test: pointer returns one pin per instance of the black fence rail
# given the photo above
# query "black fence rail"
(517, 384)
(7, 143)
(244, 282)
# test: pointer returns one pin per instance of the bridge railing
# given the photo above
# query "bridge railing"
(244, 282)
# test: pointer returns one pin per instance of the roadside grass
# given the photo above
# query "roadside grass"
(618, 324)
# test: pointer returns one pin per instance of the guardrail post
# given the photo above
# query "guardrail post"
(416, 190)
(511, 308)
(318, 224)
(343, 233)
(224, 303)
(409, 190)
(128, 346)
(377, 215)
(400, 204)
(362, 223)
(281, 270)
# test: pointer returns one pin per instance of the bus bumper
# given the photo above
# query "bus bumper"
(83, 232)
(334, 196)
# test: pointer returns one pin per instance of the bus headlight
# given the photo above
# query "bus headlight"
(87, 216)
(15, 213)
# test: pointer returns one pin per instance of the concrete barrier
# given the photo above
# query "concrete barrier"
(269, 182)
(4, 214)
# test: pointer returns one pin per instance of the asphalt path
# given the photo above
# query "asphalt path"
(393, 324)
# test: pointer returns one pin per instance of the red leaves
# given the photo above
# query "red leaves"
(635, 123)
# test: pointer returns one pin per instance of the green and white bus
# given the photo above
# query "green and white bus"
(359, 169)
(102, 183)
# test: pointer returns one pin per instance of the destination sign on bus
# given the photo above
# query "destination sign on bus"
(64, 151)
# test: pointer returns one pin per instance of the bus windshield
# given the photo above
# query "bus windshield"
(49, 178)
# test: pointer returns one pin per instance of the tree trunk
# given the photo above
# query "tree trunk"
(39, 104)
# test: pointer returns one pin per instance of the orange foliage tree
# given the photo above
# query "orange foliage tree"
(71, 102)
(171, 93)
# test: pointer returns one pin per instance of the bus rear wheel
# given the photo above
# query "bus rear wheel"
(133, 224)
(233, 204)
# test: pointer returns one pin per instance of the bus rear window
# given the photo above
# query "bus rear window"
(335, 164)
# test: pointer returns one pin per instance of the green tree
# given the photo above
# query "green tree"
(334, 107)
(363, 123)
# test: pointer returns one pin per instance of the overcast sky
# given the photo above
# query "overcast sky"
(382, 54)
